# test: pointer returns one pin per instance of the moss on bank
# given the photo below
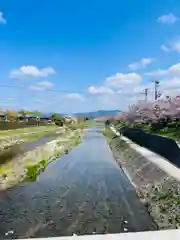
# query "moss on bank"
(33, 171)
(159, 192)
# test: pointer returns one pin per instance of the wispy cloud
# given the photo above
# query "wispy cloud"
(30, 71)
(173, 45)
(120, 80)
(75, 96)
(168, 19)
(143, 63)
(41, 86)
(99, 90)
(157, 73)
(173, 70)
(2, 19)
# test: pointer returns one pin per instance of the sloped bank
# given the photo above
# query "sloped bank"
(9, 141)
(158, 191)
(29, 165)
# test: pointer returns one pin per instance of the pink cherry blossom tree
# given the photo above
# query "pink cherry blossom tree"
(163, 108)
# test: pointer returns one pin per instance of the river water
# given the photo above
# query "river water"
(82, 192)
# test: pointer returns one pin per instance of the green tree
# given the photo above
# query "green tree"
(22, 113)
(58, 119)
(11, 115)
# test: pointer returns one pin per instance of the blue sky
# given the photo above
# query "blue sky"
(70, 56)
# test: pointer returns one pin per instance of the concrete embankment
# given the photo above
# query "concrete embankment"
(31, 163)
(155, 179)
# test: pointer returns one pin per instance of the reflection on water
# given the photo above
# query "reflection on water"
(82, 192)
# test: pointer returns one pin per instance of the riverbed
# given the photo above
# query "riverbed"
(83, 192)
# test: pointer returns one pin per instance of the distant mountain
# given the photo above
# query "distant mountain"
(95, 114)
(98, 114)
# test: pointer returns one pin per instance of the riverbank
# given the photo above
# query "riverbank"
(30, 164)
(9, 138)
(157, 190)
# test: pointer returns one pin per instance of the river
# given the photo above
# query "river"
(82, 192)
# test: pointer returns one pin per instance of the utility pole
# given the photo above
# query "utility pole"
(145, 93)
(156, 87)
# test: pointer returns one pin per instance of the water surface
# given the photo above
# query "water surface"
(82, 192)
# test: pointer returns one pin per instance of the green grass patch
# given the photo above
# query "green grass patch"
(35, 137)
(16, 132)
(108, 133)
(33, 171)
(82, 125)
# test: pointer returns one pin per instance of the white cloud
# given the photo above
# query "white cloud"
(157, 73)
(140, 64)
(172, 71)
(170, 86)
(2, 19)
(99, 90)
(117, 90)
(169, 79)
(41, 86)
(168, 19)
(31, 72)
(175, 69)
(173, 45)
(75, 96)
(172, 83)
(45, 84)
(120, 80)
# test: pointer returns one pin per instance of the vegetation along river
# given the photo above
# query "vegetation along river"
(83, 192)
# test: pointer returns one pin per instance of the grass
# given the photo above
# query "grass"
(20, 131)
(81, 125)
(108, 133)
(169, 132)
(174, 134)
(77, 140)
(35, 137)
(34, 163)
(33, 171)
